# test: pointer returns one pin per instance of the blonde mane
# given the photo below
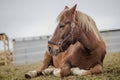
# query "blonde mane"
(85, 22)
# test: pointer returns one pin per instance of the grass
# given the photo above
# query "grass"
(111, 71)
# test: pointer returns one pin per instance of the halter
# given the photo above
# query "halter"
(72, 25)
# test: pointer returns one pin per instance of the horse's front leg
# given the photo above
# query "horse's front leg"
(46, 62)
(63, 71)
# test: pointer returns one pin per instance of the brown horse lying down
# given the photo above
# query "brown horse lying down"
(76, 47)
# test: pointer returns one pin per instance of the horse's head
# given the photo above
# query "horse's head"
(64, 34)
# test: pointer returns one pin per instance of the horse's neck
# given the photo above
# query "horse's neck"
(88, 39)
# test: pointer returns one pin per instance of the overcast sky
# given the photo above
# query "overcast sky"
(25, 18)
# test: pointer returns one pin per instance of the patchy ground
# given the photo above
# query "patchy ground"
(111, 71)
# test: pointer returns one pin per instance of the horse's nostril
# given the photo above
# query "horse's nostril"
(49, 48)
(56, 51)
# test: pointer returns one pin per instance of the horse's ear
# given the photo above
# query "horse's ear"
(73, 9)
(66, 7)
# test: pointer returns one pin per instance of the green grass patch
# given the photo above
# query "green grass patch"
(111, 71)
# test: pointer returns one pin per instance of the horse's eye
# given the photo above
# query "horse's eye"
(61, 26)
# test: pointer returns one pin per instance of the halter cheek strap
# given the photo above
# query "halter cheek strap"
(72, 25)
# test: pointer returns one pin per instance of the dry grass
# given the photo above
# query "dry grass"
(111, 71)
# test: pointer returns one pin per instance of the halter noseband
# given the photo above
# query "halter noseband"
(72, 25)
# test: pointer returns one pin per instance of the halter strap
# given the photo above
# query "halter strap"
(72, 25)
(51, 42)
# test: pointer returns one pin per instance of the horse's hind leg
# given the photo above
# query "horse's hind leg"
(79, 72)
(95, 70)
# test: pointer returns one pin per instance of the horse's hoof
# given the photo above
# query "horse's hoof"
(31, 74)
(56, 72)
(78, 71)
(27, 76)
(48, 71)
